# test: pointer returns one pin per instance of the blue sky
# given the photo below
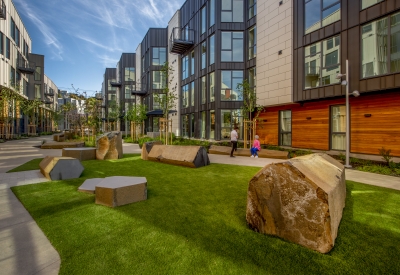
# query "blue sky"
(80, 38)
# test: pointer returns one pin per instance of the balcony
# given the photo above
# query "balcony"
(3, 11)
(48, 93)
(139, 93)
(115, 84)
(25, 66)
(181, 40)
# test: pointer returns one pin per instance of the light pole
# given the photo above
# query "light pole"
(355, 94)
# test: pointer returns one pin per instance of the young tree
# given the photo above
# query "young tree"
(114, 113)
(136, 114)
(167, 98)
(92, 106)
(30, 108)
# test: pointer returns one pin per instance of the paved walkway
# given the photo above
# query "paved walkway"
(26, 250)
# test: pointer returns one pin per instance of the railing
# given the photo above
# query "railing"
(3, 10)
(181, 40)
(25, 66)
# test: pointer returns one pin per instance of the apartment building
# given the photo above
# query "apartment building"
(23, 73)
(291, 52)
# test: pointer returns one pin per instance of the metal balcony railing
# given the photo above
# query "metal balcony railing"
(115, 84)
(3, 10)
(25, 66)
(181, 40)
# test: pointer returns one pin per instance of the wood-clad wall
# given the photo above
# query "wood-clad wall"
(311, 123)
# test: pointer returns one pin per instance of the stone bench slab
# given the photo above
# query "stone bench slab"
(264, 153)
(61, 168)
(89, 185)
(82, 153)
(119, 190)
(61, 145)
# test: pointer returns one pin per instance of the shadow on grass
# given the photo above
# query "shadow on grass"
(194, 219)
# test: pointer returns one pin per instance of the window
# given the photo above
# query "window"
(320, 13)
(285, 128)
(192, 63)
(26, 49)
(232, 11)
(8, 48)
(185, 67)
(367, 3)
(203, 55)
(156, 105)
(203, 14)
(158, 80)
(12, 29)
(212, 124)
(38, 73)
(12, 76)
(143, 65)
(130, 74)
(252, 8)
(192, 125)
(191, 87)
(252, 78)
(128, 90)
(252, 43)
(232, 47)
(17, 35)
(1, 43)
(212, 12)
(230, 119)
(159, 56)
(203, 90)
(338, 127)
(110, 87)
(322, 63)
(212, 49)
(203, 125)
(229, 82)
(38, 93)
(185, 96)
(378, 57)
(211, 81)
(185, 125)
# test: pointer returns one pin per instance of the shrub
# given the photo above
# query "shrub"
(385, 154)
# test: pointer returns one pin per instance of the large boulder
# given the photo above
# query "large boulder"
(300, 200)
(109, 146)
(146, 148)
(61, 168)
(190, 156)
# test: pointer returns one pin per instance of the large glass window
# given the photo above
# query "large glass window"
(192, 125)
(338, 127)
(128, 91)
(203, 125)
(368, 3)
(252, 78)
(212, 49)
(191, 88)
(203, 90)
(320, 13)
(12, 76)
(130, 74)
(185, 125)
(38, 92)
(12, 29)
(230, 119)
(232, 46)
(185, 67)
(185, 96)
(38, 73)
(8, 48)
(156, 105)
(17, 35)
(285, 128)
(203, 55)
(378, 57)
(232, 11)
(212, 124)
(322, 63)
(211, 83)
(252, 8)
(158, 80)
(192, 63)
(159, 56)
(252, 42)
(1, 43)
(203, 14)
(229, 82)
(212, 12)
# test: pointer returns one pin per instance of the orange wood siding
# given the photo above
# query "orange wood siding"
(368, 134)
(382, 129)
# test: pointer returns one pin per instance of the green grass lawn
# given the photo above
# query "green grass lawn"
(194, 223)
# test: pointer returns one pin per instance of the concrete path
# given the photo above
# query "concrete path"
(26, 250)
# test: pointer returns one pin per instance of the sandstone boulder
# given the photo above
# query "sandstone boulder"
(146, 148)
(109, 146)
(300, 200)
(189, 156)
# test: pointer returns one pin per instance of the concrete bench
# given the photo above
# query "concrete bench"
(119, 190)
(58, 137)
(189, 156)
(61, 145)
(82, 153)
(61, 168)
(264, 153)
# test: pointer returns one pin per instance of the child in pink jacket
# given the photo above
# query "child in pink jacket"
(256, 147)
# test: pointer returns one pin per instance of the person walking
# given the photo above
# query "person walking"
(234, 139)
(256, 147)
